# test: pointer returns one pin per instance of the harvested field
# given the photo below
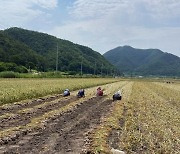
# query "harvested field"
(12, 90)
(146, 120)
(53, 124)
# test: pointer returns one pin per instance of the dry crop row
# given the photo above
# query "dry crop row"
(145, 121)
(152, 124)
(173, 86)
(171, 95)
(100, 135)
(12, 90)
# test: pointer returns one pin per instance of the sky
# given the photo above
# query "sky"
(100, 24)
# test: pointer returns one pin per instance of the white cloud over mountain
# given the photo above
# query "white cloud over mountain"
(100, 24)
(105, 24)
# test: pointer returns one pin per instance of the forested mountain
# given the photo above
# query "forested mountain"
(144, 61)
(39, 51)
(14, 53)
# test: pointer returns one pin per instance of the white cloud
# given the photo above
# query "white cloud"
(93, 8)
(103, 38)
(102, 24)
(21, 12)
(132, 9)
(48, 4)
(105, 24)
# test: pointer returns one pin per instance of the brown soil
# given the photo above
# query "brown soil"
(12, 108)
(24, 118)
(65, 133)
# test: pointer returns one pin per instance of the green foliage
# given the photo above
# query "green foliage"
(8, 74)
(144, 62)
(42, 54)
(12, 67)
(13, 51)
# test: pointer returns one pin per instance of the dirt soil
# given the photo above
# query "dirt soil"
(24, 118)
(63, 134)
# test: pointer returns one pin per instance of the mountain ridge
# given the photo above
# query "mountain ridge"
(44, 47)
(144, 61)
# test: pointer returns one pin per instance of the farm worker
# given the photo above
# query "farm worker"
(117, 96)
(81, 93)
(99, 91)
(66, 92)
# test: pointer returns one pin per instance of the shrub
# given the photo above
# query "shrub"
(8, 74)
(21, 69)
(12, 67)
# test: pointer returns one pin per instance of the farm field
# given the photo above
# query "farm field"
(12, 90)
(146, 120)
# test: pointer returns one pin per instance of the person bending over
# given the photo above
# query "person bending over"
(66, 92)
(81, 93)
(99, 92)
(117, 96)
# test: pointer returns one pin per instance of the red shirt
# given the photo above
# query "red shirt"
(99, 92)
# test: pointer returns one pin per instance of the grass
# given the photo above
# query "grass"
(12, 90)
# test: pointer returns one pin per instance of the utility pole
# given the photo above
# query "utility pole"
(101, 69)
(114, 72)
(81, 66)
(95, 68)
(57, 55)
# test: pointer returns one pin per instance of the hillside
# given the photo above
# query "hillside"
(44, 49)
(144, 61)
(14, 53)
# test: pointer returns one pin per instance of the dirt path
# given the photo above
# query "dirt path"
(63, 134)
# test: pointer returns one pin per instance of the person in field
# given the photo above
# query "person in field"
(99, 92)
(81, 93)
(117, 96)
(66, 92)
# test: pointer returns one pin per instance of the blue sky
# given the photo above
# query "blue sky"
(100, 24)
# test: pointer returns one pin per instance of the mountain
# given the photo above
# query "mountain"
(144, 61)
(14, 53)
(39, 51)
